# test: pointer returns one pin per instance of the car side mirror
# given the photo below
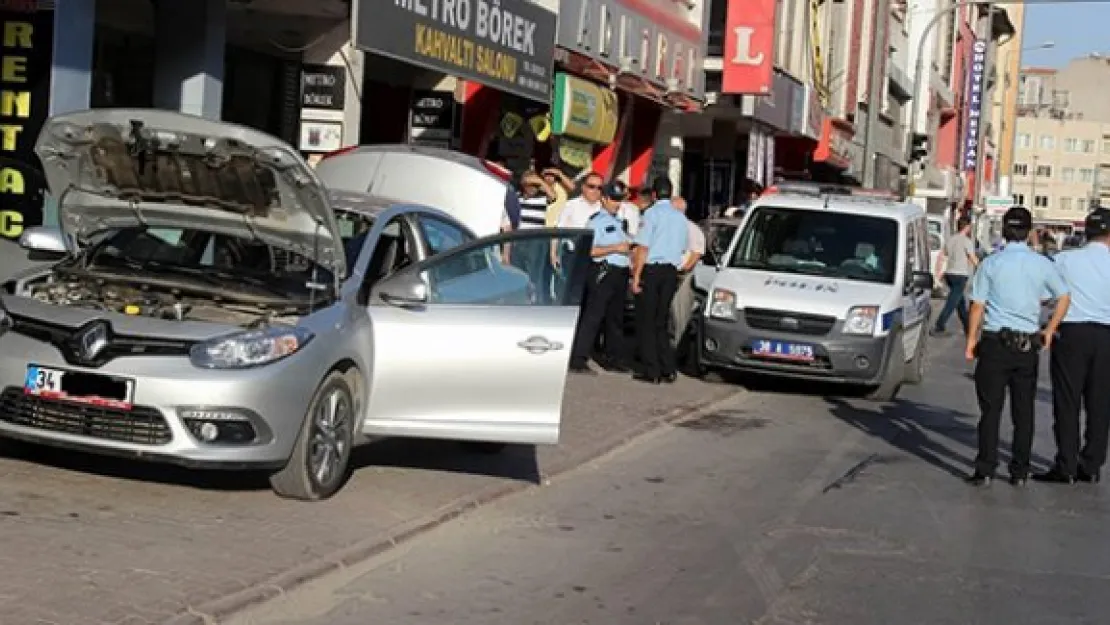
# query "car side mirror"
(44, 241)
(922, 281)
(405, 290)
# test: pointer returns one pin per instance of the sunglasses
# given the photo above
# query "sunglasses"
(591, 187)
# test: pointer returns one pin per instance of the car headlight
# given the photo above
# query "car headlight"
(249, 349)
(722, 304)
(861, 320)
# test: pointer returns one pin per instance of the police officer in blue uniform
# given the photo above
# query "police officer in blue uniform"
(1080, 365)
(606, 285)
(1006, 295)
(660, 245)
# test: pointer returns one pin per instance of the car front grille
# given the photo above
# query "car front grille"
(119, 346)
(786, 321)
(140, 425)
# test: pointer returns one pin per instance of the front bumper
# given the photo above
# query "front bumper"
(273, 398)
(839, 357)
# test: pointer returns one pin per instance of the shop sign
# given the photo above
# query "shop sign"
(749, 56)
(773, 108)
(769, 175)
(505, 44)
(432, 117)
(974, 104)
(798, 92)
(28, 40)
(323, 87)
(583, 110)
(835, 147)
(753, 172)
(579, 155)
(660, 41)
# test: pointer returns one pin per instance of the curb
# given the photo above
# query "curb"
(215, 611)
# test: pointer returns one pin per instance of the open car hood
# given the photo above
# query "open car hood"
(117, 168)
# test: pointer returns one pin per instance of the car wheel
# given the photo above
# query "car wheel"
(915, 369)
(320, 462)
(893, 376)
(484, 448)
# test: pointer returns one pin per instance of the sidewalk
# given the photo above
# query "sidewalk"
(93, 540)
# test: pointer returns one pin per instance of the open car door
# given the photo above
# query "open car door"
(468, 346)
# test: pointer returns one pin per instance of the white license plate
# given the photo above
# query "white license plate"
(79, 387)
(782, 350)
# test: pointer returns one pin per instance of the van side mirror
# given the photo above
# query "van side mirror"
(44, 243)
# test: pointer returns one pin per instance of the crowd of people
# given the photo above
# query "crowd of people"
(644, 246)
(1006, 333)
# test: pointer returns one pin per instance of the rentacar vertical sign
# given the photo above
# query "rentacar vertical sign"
(583, 110)
(27, 38)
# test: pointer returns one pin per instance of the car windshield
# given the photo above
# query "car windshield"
(819, 243)
(207, 258)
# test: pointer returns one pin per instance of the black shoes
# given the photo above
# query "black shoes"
(1092, 477)
(648, 379)
(1019, 480)
(1054, 476)
(581, 370)
(670, 378)
(978, 479)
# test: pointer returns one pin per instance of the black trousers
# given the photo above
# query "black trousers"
(604, 304)
(653, 307)
(1001, 369)
(1080, 369)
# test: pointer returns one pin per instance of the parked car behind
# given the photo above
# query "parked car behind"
(224, 311)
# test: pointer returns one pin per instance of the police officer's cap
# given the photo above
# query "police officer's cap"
(1018, 218)
(1097, 223)
(615, 190)
(662, 188)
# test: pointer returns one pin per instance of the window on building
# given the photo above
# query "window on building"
(1088, 146)
(1065, 203)
(1061, 99)
(1021, 169)
(1106, 146)
(1081, 204)
(1067, 174)
(1019, 199)
(1086, 175)
(1040, 201)
(1048, 142)
(1071, 145)
(1044, 171)
(1023, 141)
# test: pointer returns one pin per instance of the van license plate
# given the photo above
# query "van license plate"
(79, 387)
(780, 350)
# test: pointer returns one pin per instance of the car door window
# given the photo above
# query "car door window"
(392, 252)
(480, 276)
(441, 235)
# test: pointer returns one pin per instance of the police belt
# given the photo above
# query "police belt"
(1021, 342)
(604, 265)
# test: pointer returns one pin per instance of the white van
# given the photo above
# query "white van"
(823, 286)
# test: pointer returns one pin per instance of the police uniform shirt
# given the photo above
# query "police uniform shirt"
(608, 230)
(1087, 273)
(664, 232)
(1011, 283)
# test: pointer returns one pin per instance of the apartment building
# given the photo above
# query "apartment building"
(1061, 159)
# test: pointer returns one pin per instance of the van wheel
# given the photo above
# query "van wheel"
(893, 376)
(915, 369)
(321, 459)
(486, 449)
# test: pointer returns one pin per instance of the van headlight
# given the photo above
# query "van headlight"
(249, 349)
(861, 320)
(722, 305)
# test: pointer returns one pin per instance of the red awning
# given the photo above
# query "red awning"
(832, 149)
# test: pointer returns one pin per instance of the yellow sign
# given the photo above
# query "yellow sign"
(577, 154)
(584, 110)
(510, 125)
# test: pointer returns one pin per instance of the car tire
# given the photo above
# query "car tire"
(484, 448)
(321, 459)
(916, 368)
(893, 376)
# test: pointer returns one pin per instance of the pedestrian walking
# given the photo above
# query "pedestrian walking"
(1080, 359)
(959, 260)
(660, 243)
(606, 286)
(1006, 296)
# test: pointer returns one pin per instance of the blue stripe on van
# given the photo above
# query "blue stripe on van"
(892, 318)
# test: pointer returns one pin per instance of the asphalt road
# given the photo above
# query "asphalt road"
(779, 508)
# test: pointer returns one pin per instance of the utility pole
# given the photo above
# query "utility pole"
(877, 82)
(987, 36)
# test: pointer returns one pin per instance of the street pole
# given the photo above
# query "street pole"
(976, 199)
(875, 89)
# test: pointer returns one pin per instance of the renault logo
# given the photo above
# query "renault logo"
(92, 340)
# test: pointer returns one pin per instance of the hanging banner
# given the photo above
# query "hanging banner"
(28, 46)
(583, 110)
(974, 105)
(749, 59)
(769, 175)
(753, 155)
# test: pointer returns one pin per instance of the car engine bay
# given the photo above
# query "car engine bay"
(142, 300)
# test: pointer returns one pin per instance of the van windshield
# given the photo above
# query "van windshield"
(819, 243)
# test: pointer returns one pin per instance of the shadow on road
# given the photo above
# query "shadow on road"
(514, 462)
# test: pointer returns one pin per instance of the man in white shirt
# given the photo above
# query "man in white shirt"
(683, 301)
(576, 214)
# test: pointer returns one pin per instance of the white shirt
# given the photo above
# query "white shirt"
(695, 241)
(631, 213)
(577, 212)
